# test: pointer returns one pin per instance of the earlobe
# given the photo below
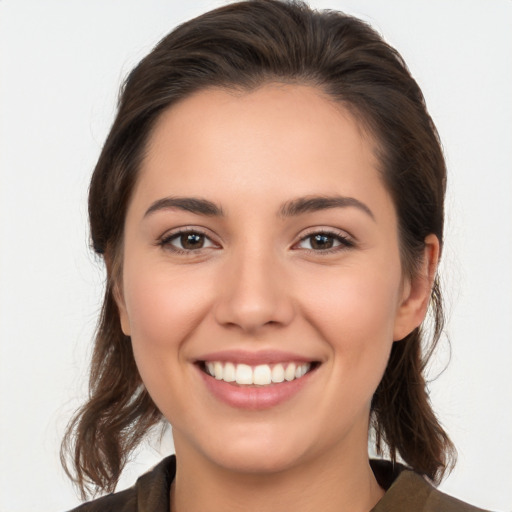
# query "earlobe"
(416, 291)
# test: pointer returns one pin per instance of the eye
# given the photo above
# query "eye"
(324, 241)
(186, 241)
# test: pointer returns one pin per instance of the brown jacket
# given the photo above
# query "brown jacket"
(406, 491)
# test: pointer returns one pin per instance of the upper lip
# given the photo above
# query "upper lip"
(255, 358)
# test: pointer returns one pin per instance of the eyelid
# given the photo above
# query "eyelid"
(346, 240)
(164, 241)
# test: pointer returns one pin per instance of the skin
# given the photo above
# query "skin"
(257, 284)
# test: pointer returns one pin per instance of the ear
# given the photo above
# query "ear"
(115, 274)
(121, 307)
(416, 291)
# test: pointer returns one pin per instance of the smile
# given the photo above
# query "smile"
(260, 375)
(256, 380)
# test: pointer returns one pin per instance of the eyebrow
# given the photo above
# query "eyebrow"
(317, 203)
(291, 208)
(189, 204)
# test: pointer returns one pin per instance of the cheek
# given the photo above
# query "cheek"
(354, 314)
(163, 307)
(355, 302)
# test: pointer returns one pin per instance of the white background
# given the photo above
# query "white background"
(60, 68)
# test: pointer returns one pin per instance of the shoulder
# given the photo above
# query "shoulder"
(433, 499)
(410, 491)
(151, 492)
(124, 501)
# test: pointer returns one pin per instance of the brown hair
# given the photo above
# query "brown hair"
(243, 46)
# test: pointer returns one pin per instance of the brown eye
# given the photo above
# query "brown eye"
(191, 241)
(320, 241)
(186, 241)
(325, 241)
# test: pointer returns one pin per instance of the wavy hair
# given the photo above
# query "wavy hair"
(243, 46)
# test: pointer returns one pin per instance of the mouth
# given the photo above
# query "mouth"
(260, 375)
(256, 380)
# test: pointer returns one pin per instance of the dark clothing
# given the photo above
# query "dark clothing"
(406, 491)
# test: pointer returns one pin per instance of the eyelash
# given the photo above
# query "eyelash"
(344, 242)
(166, 241)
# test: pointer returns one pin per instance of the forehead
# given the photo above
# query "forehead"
(276, 140)
(296, 111)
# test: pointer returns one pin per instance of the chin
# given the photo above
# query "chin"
(256, 462)
(254, 454)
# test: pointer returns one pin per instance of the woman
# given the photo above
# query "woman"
(269, 205)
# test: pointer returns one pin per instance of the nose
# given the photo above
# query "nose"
(254, 293)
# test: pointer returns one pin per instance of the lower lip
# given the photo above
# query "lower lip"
(254, 397)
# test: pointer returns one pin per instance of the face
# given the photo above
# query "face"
(262, 286)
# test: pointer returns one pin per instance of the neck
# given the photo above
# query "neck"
(333, 482)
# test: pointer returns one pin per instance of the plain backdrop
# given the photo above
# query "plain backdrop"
(61, 66)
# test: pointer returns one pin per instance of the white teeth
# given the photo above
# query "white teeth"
(243, 374)
(229, 373)
(300, 371)
(289, 373)
(217, 368)
(261, 375)
(278, 373)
